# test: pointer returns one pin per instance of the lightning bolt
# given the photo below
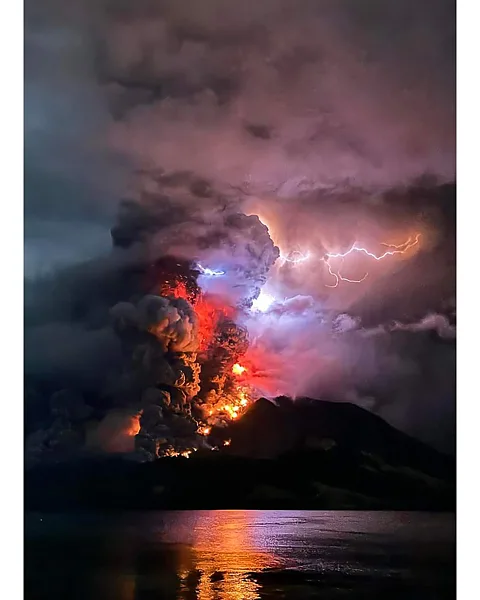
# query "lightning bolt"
(301, 257)
(296, 257)
(209, 272)
(398, 249)
(339, 277)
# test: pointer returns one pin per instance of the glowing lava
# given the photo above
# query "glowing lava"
(184, 453)
(230, 406)
(237, 369)
(204, 430)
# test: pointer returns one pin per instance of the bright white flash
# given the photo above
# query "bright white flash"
(263, 302)
(210, 272)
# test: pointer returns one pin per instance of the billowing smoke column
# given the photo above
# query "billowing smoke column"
(178, 331)
(185, 264)
(184, 342)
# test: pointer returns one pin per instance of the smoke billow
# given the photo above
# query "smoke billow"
(176, 343)
(235, 136)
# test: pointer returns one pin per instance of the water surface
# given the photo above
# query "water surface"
(240, 555)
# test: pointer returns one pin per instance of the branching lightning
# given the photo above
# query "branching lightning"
(398, 249)
(339, 277)
(297, 257)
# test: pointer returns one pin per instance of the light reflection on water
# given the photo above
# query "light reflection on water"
(207, 555)
(224, 549)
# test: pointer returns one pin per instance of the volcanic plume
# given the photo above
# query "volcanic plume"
(178, 342)
(256, 161)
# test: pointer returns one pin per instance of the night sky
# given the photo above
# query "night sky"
(333, 121)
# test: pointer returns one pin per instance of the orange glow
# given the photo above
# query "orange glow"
(184, 454)
(177, 290)
(231, 410)
(227, 442)
(209, 309)
(230, 406)
(134, 426)
(221, 542)
(238, 369)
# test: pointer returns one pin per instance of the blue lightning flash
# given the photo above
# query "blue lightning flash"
(210, 272)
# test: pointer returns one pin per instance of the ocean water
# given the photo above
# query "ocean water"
(240, 555)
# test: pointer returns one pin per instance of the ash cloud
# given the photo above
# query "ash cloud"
(260, 99)
(286, 96)
(402, 371)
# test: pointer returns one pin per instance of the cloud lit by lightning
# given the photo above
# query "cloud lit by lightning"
(398, 249)
(296, 257)
(263, 302)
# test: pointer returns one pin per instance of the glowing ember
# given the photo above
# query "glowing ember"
(230, 406)
(238, 369)
(263, 302)
(177, 290)
(204, 430)
(227, 442)
(184, 454)
(232, 411)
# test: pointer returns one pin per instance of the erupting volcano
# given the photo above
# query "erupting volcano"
(200, 342)
(197, 338)
(240, 250)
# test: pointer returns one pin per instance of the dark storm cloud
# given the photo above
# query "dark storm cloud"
(71, 177)
(259, 97)
(286, 96)
(70, 354)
